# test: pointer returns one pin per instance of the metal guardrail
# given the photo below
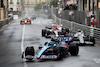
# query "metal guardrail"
(73, 26)
(5, 21)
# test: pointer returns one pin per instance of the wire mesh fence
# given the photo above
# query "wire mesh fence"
(73, 26)
(80, 17)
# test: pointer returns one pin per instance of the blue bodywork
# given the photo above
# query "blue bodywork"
(64, 38)
(46, 47)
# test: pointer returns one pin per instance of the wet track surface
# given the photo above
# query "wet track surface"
(10, 47)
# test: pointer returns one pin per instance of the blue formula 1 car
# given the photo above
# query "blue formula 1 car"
(51, 50)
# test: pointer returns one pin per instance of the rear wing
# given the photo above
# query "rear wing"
(63, 38)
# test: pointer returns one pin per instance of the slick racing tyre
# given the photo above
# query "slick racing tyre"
(58, 52)
(43, 32)
(74, 49)
(92, 39)
(22, 22)
(28, 22)
(47, 33)
(29, 51)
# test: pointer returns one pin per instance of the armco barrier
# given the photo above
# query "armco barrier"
(75, 26)
(5, 21)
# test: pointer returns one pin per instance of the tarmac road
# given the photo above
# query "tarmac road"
(14, 38)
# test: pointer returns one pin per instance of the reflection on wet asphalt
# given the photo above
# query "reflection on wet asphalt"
(10, 47)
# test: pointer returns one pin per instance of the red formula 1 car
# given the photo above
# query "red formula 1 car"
(55, 30)
(25, 21)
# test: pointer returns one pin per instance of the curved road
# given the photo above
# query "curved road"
(13, 40)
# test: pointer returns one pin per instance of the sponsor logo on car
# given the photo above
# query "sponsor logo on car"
(49, 57)
(63, 39)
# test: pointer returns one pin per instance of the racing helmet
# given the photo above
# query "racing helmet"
(52, 38)
(56, 40)
(51, 44)
(79, 30)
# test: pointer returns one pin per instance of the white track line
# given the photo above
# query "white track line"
(22, 40)
(22, 45)
(96, 60)
(25, 64)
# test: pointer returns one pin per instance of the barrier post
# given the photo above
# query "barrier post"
(55, 18)
(60, 18)
(92, 31)
(71, 26)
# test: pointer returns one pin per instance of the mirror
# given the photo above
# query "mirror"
(40, 46)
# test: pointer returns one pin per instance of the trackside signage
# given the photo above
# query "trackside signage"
(15, 16)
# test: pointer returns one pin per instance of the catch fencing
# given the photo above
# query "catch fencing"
(73, 26)
(81, 17)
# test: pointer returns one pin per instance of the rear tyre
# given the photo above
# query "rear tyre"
(43, 32)
(22, 23)
(30, 22)
(74, 49)
(92, 39)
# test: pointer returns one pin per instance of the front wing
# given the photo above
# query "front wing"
(42, 57)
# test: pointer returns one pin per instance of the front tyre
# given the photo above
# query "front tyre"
(30, 51)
